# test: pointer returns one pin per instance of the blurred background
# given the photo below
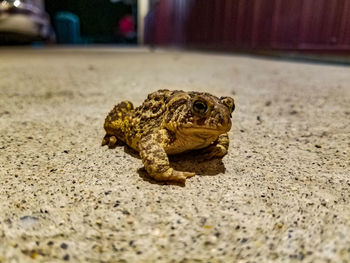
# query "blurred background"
(272, 27)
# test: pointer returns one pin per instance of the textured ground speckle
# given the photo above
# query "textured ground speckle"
(281, 194)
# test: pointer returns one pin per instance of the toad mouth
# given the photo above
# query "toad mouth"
(206, 131)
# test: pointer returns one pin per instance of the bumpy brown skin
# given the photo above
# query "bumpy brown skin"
(171, 122)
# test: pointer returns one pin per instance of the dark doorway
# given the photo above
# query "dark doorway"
(99, 19)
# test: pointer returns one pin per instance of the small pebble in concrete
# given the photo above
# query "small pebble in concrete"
(64, 246)
(268, 103)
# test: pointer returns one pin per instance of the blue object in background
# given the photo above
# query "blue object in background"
(67, 28)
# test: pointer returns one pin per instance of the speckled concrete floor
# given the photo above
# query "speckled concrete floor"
(281, 195)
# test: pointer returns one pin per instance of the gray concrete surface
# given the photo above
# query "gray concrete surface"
(281, 195)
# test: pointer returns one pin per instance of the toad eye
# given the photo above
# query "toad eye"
(200, 107)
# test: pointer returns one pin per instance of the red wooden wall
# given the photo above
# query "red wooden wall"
(251, 24)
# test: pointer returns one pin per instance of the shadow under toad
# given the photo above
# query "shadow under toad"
(189, 162)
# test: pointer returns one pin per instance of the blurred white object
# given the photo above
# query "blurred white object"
(24, 21)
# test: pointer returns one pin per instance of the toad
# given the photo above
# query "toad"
(171, 122)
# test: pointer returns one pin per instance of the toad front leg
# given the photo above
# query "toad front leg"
(156, 160)
(218, 149)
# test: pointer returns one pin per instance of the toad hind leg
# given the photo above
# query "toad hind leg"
(116, 123)
(112, 141)
(156, 160)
